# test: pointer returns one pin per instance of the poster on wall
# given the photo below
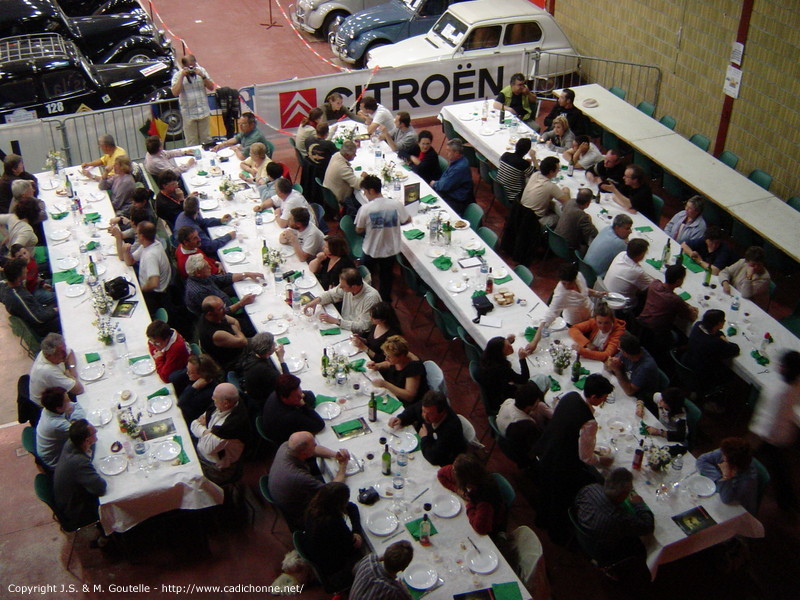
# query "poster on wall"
(733, 81)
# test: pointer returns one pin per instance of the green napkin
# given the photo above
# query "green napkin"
(643, 428)
(760, 358)
(684, 295)
(58, 216)
(41, 256)
(414, 592)
(388, 404)
(348, 426)
(656, 264)
(731, 331)
(137, 358)
(580, 383)
(92, 217)
(530, 333)
(92, 357)
(92, 245)
(357, 168)
(603, 211)
(478, 293)
(267, 210)
(358, 365)
(505, 279)
(413, 528)
(644, 228)
(554, 385)
(443, 263)
(321, 398)
(478, 252)
(406, 167)
(506, 591)
(202, 173)
(691, 265)
(429, 199)
(162, 392)
(70, 276)
(284, 340)
(331, 331)
(228, 250)
(183, 458)
(414, 234)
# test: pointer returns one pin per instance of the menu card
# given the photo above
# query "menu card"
(158, 429)
(694, 520)
(410, 193)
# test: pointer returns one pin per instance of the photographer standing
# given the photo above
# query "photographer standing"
(189, 85)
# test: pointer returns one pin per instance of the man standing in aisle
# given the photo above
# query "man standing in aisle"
(380, 220)
(455, 184)
(189, 85)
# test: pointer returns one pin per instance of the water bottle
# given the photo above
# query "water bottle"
(433, 227)
(398, 485)
(402, 461)
(484, 269)
(259, 220)
(122, 343)
(296, 299)
(396, 186)
(545, 332)
(735, 303)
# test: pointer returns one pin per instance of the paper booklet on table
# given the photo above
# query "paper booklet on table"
(158, 429)
(467, 263)
(694, 520)
(488, 321)
(124, 309)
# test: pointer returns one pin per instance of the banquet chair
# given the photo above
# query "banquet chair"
(763, 481)
(29, 443)
(355, 241)
(658, 207)
(474, 215)
(328, 197)
(729, 158)
(760, 178)
(794, 202)
(443, 164)
(471, 349)
(506, 490)
(499, 192)
(365, 274)
(693, 416)
(413, 282)
(468, 429)
(474, 373)
(531, 568)
(162, 315)
(525, 274)
(263, 487)
(444, 321)
(701, 141)
(488, 236)
(28, 340)
(319, 212)
(668, 122)
(297, 187)
(270, 148)
(330, 587)
(646, 107)
(587, 270)
(301, 160)
(484, 168)
(195, 348)
(505, 446)
(617, 91)
(435, 377)
(557, 244)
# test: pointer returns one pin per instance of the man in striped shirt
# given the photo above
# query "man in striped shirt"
(376, 578)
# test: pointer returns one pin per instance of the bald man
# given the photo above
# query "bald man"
(294, 477)
(222, 433)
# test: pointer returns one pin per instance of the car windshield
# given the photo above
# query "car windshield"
(17, 92)
(450, 29)
(412, 5)
(65, 82)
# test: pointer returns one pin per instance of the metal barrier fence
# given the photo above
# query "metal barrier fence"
(641, 83)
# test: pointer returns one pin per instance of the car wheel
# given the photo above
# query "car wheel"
(139, 55)
(174, 120)
(362, 62)
(331, 24)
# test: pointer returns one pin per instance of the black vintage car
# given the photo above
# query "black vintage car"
(46, 75)
(113, 38)
(85, 8)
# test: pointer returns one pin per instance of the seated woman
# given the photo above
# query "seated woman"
(404, 376)
(19, 224)
(254, 168)
(333, 109)
(333, 537)
(203, 375)
(731, 468)
(560, 137)
(523, 417)
(168, 349)
(598, 337)
(259, 372)
(572, 296)
(385, 324)
(120, 183)
(329, 264)
(496, 376)
(424, 159)
(671, 413)
(486, 509)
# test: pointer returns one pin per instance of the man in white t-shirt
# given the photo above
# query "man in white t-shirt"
(155, 271)
(625, 275)
(376, 116)
(285, 199)
(54, 366)
(380, 220)
(305, 237)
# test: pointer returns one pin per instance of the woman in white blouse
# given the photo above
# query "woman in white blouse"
(572, 297)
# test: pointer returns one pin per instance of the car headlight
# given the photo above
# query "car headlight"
(146, 29)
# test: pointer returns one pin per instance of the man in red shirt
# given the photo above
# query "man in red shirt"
(188, 244)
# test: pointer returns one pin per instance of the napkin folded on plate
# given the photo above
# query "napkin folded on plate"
(92, 217)
(506, 591)
(266, 210)
(580, 383)
(413, 528)
(505, 279)
(137, 358)
(478, 293)
(530, 333)
(331, 331)
(183, 458)
(760, 358)
(414, 234)
(656, 264)
(92, 357)
(684, 295)
(162, 392)
(92, 245)
(691, 265)
(321, 398)
(348, 426)
(388, 404)
(477, 252)
(554, 385)
(70, 276)
(284, 341)
(731, 331)
(358, 365)
(229, 250)
(644, 228)
(58, 216)
(443, 263)
(429, 199)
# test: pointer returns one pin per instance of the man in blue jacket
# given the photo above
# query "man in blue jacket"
(455, 184)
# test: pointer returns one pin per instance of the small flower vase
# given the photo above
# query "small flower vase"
(558, 369)
(228, 196)
(107, 340)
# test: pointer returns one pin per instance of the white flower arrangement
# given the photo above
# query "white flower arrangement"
(228, 186)
(561, 355)
(344, 133)
(274, 258)
(128, 422)
(55, 161)
(105, 331)
(101, 301)
(658, 457)
(387, 172)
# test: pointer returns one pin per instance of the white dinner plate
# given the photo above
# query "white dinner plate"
(468, 116)
(268, 217)
(382, 522)
(305, 282)
(59, 235)
(558, 324)
(250, 287)
(118, 398)
(109, 249)
(198, 181)
(701, 485)
(456, 286)
(328, 410)
(93, 372)
(353, 466)
(472, 244)
(482, 562)
(143, 367)
(112, 465)
(235, 257)
(209, 204)
(277, 326)
(403, 441)
(420, 576)
(49, 184)
(97, 196)
(499, 273)
(618, 426)
(101, 269)
(67, 262)
(168, 450)
(434, 252)
(294, 363)
(615, 300)
(286, 250)
(225, 152)
(100, 416)
(384, 489)
(446, 505)
(160, 404)
(347, 348)
(488, 130)
(460, 224)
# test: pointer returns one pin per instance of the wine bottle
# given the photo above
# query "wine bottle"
(425, 531)
(264, 254)
(386, 461)
(372, 408)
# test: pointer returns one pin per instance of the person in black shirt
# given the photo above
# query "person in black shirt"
(258, 369)
(329, 264)
(288, 411)
(608, 170)
(439, 428)
(13, 169)
(202, 376)
(169, 201)
(708, 349)
(634, 194)
(565, 106)
(385, 324)
(404, 375)
(711, 251)
(424, 159)
(497, 378)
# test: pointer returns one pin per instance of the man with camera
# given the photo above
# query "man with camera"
(189, 86)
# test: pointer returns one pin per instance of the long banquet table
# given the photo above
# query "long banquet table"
(147, 486)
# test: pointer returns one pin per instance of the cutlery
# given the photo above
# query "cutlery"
(534, 307)
(392, 433)
(395, 534)
(473, 545)
(418, 496)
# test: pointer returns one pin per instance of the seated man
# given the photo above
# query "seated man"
(711, 251)
(340, 177)
(749, 276)
(302, 235)
(141, 210)
(575, 224)
(404, 137)
(522, 419)
(190, 217)
(188, 245)
(634, 193)
(663, 306)
(266, 186)
(259, 371)
(170, 197)
(636, 371)
(731, 468)
(615, 517)
(598, 338)
(220, 335)
(688, 225)
(201, 284)
(41, 289)
(294, 477)
(321, 149)
(357, 298)
(439, 428)
(565, 106)
(76, 485)
(168, 349)
(157, 160)
(540, 192)
(625, 275)
(110, 152)
(54, 366)
(222, 434)
(52, 430)
(41, 318)
(518, 100)
(241, 142)
(708, 350)
(455, 184)
(376, 577)
(583, 154)
(286, 199)
(155, 271)
(608, 244)
(610, 169)
(376, 116)
(286, 411)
